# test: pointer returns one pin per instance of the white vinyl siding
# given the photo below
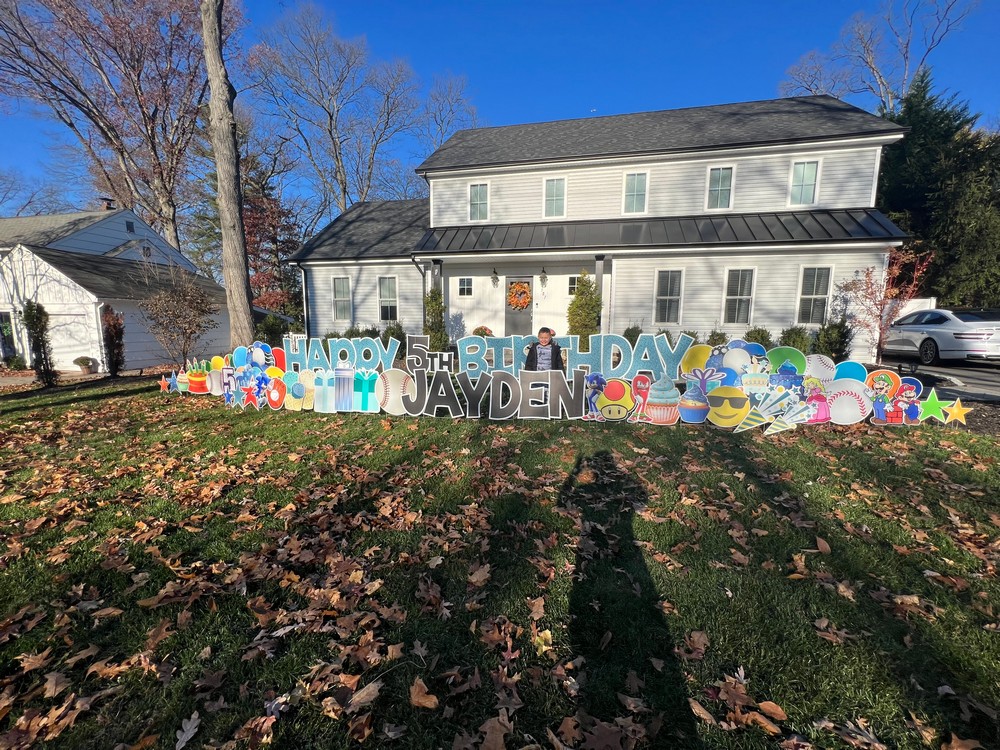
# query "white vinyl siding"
(635, 193)
(363, 283)
(805, 178)
(479, 202)
(341, 299)
(517, 197)
(388, 302)
(720, 188)
(668, 297)
(739, 296)
(815, 296)
(107, 234)
(777, 289)
(555, 198)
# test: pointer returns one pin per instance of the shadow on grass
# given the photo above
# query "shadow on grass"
(73, 394)
(615, 623)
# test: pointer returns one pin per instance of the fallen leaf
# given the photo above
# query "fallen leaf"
(959, 744)
(537, 607)
(701, 712)
(364, 696)
(419, 696)
(773, 710)
(822, 546)
(189, 728)
(55, 683)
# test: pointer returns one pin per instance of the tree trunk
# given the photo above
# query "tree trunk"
(222, 126)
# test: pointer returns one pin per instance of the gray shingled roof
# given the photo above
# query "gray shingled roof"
(373, 229)
(116, 278)
(791, 120)
(44, 230)
(786, 227)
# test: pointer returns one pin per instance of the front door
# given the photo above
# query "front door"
(518, 302)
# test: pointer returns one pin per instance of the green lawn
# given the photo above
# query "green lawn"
(316, 581)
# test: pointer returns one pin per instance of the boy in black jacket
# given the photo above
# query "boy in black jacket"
(544, 354)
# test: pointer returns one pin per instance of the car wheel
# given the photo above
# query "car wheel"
(928, 352)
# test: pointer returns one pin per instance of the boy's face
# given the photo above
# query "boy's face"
(544, 338)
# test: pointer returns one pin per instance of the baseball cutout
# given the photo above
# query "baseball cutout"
(849, 401)
(390, 388)
(821, 367)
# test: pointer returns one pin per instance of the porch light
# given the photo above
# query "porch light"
(544, 277)
(495, 278)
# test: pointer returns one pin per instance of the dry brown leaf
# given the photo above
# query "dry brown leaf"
(419, 696)
(479, 576)
(364, 696)
(495, 730)
(822, 546)
(959, 744)
(773, 710)
(55, 683)
(701, 712)
(763, 722)
(537, 607)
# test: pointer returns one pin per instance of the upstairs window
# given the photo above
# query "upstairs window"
(465, 286)
(388, 305)
(739, 296)
(341, 298)
(804, 177)
(814, 297)
(668, 297)
(130, 226)
(555, 197)
(720, 187)
(635, 193)
(479, 207)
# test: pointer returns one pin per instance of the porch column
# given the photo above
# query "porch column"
(599, 282)
(437, 274)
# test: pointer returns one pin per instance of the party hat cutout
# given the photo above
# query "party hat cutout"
(798, 414)
(779, 425)
(753, 419)
(775, 403)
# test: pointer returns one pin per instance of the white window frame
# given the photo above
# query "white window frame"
(488, 201)
(708, 187)
(572, 284)
(819, 179)
(645, 201)
(349, 300)
(656, 297)
(545, 181)
(725, 294)
(471, 286)
(378, 289)
(798, 300)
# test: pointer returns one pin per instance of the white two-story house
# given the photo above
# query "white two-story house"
(724, 217)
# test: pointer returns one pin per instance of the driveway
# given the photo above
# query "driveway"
(979, 381)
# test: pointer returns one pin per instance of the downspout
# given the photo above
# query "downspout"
(98, 308)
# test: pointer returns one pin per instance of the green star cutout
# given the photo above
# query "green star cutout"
(934, 407)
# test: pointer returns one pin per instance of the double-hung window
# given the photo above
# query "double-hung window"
(720, 187)
(388, 304)
(668, 297)
(479, 202)
(739, 296)
(635, 193)
(555, 197)
(341, 298)
(814, 297)
(805, 176)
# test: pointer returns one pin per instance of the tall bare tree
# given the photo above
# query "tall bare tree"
(222, 128)
(879, 55)
(126, 79)
(344, 111)
(24, 196)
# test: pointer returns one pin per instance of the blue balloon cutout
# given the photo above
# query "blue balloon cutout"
(738, 344)
(239, 356)
(755, 350)
(732, 377)
(850, 371)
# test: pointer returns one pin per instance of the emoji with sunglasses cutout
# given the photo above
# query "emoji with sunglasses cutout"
(728, 406)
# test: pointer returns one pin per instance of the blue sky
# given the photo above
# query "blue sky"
(534, 61)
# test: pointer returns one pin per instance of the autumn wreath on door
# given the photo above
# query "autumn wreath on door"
(519, 295)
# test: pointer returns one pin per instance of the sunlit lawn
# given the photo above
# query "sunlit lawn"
(320, 581)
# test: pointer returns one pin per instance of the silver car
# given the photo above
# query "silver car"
(946, 334)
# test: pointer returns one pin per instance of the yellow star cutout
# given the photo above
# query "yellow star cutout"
(956, 412)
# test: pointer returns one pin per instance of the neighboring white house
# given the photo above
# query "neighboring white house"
(723, 217)
(75, 264)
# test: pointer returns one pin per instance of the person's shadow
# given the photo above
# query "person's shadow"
(615, 621)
